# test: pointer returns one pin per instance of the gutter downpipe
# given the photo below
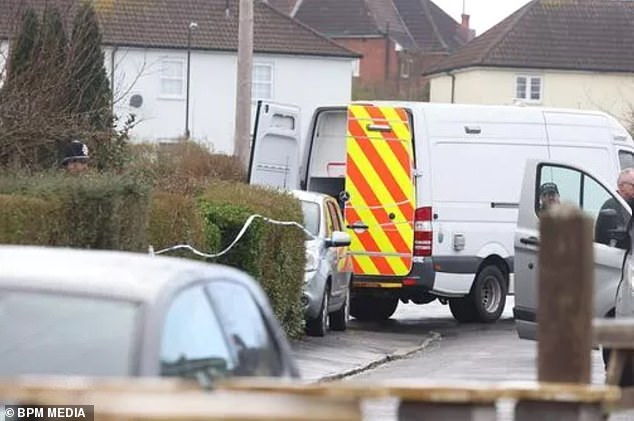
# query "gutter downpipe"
(453, 86)
(388, 46)
(112, 56)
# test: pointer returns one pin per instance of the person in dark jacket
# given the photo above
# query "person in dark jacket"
(612, 208)
(625, 189)
(75, 157)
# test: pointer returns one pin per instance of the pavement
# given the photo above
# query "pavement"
(362, 347)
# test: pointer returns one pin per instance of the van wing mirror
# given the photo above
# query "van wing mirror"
(610, 218)
(338, 239)
(610, 221)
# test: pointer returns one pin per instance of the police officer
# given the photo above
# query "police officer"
(75, 157)
(548, 195)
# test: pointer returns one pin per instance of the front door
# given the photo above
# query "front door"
(576, 186)
(379, 191)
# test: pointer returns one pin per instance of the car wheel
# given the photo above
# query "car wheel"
(339, 319)
(319, 325)
(370, 308)
(489, 294)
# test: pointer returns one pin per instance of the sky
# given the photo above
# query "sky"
(484, 13)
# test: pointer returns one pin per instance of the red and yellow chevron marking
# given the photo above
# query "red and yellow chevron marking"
(379, 181)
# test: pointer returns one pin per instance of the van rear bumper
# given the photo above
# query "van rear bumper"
(421, 277)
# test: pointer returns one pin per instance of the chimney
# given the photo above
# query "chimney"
(465, 21)
(467, 33)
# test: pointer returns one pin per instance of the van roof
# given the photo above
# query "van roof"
(440, 105)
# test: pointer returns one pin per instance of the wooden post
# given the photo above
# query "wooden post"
(242, 136)
(565, 296)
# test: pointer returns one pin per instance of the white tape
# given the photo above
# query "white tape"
(246, 225)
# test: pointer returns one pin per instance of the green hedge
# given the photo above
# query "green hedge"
(272, 254)
(28, 220)
(177, 219)
(109, 211)
(98, 211)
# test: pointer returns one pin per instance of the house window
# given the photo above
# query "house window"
(262, 81)
(356, 68)
(528, 88)
(406, 65)
(172, 78)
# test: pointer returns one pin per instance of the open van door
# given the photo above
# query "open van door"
(379, 191)
(275, 149)
(609, 214)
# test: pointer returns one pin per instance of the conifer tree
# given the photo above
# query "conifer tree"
(53, 43)
(23, 47)
(50, 59)
(90, 88)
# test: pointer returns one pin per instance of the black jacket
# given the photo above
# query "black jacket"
(602, 227)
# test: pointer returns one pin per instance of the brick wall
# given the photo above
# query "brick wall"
(373, 63)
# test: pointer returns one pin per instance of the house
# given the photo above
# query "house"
(573, 53)
(398, 39)
(145, 44)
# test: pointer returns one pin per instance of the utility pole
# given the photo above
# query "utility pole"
(192, 26)
(242, 137)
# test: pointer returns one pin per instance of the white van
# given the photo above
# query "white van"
(430, 191)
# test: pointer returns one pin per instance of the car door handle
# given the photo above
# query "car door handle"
(531, 241)
(358, 226)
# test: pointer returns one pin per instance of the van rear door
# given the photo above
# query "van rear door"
(275, 150)
(379, 191)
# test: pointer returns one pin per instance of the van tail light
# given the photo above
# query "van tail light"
(423, 233)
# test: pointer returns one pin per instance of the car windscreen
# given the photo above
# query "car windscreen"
(311, 217)
(52, 333)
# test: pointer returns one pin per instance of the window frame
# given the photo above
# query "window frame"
(201, 287)
(405, 71)
(208, 289)
(528, 88)
(584, 177)
(270, 83)
(356, 67)
(624, 152)
(163, 77)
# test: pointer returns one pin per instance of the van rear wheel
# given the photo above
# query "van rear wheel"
(371, 308)
(489, 294)
(486, 300)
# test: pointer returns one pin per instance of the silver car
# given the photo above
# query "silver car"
(328, 265)
(101, 313)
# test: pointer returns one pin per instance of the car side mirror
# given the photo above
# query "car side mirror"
(338, 239)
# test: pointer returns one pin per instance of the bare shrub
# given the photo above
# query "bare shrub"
(185, 167)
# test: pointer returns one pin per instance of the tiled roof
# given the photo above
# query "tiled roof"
(389, 21)
(164, 24)
(337, 17)
(592, 35)
(432, 28)
(415, 24)
(285, 6)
